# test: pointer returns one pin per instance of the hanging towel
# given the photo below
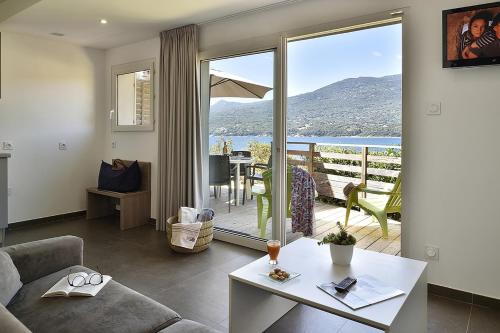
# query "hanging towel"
(303, 194)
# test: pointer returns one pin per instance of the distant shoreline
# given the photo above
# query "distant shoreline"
(240, 142)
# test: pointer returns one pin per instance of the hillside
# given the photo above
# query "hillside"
(364, 106)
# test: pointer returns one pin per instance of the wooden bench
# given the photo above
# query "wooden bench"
(135, 207)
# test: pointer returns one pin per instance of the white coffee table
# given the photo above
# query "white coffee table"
(255, 303)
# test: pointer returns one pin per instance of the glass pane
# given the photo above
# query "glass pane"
(134, 98)
(241, 127)
(344, 126)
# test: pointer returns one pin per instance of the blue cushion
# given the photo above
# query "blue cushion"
(124, 180)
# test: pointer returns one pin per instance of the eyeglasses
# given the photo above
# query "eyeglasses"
(79, 280)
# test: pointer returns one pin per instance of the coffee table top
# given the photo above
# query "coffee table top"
(314, 264)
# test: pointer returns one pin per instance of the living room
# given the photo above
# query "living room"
(60, 69)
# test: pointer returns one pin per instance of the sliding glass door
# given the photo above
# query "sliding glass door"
(322, 107)
(238, 117)
(344, 126)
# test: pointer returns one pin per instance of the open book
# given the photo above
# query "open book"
(63, 289)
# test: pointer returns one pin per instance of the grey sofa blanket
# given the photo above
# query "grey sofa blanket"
(115, 309)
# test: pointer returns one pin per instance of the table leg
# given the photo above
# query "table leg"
(237, 186)
(253, 309)
(412, 318)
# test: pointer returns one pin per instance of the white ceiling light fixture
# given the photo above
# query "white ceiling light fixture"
(103, 21)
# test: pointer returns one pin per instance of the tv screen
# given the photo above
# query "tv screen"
(471, 36)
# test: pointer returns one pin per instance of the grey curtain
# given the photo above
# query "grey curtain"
(180, 159)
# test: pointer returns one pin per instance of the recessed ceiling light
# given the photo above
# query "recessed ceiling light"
(58, 34)
(103, 21)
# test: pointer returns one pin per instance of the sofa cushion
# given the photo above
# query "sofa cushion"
(10, 281)
(188, 326)
(115, 308)
(9, 323)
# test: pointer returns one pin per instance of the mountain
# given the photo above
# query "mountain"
(363, 106)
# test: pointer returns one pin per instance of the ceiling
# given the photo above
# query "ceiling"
(128, 20)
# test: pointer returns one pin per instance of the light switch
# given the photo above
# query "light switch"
(63, 146)
(7, 145)
(434, 109)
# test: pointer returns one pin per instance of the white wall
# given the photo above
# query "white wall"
(141, 146)
(450, 161)
(51, 92)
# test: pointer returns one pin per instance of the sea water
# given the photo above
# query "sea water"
(241, 142)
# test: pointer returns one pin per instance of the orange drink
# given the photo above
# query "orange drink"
(273, 248)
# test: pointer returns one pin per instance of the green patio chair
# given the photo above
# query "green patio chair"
(264, 199)
(384, 203)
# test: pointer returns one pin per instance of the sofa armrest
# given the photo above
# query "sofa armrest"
(9, 323)
(39, 258)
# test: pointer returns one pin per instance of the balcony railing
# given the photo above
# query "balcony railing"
(350, 164)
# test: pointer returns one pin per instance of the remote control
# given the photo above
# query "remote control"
(344, 285)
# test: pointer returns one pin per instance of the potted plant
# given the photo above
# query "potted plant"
(341, 246)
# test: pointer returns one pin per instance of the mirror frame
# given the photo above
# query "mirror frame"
(136, 66)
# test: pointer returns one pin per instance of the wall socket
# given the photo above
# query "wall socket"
(113, 145)
(431, 252)
(63, 146)
(9, 191)
(7, 145)
(433, 109)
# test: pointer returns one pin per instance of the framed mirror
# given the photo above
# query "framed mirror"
(132, 87)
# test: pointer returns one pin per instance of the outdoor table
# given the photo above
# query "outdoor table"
(237, 161)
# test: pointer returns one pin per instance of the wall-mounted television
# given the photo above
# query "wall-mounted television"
(471, 36)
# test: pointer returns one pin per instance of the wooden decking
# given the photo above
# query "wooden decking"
(243, 219)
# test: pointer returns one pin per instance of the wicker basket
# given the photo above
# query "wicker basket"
(204, 239)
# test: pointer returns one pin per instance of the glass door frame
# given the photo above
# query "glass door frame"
(205, 58)
(278, 43)
(373, 21)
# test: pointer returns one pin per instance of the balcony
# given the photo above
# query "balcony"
(332, 168)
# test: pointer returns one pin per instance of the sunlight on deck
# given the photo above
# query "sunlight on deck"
(367, 232)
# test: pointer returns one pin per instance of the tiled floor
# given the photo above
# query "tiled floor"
(196, 286)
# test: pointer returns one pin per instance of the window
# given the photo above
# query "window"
(133, 96)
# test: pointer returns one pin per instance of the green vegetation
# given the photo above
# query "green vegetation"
(260, 151)
(216, 148)
(340, 238)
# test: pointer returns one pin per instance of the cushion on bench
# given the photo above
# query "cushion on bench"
(115, 308)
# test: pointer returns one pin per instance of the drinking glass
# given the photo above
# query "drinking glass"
(273, 248)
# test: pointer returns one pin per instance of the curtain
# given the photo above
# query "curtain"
(180, 160)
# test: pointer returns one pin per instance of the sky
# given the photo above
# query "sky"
(317, 62)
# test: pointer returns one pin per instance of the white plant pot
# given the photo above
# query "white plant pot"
(341, 254)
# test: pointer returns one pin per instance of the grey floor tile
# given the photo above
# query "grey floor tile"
(447, 316)
(484, 320)
(304, 319)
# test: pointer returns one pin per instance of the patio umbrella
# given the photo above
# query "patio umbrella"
(228, 85)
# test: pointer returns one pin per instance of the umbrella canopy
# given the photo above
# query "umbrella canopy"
(228, 85)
